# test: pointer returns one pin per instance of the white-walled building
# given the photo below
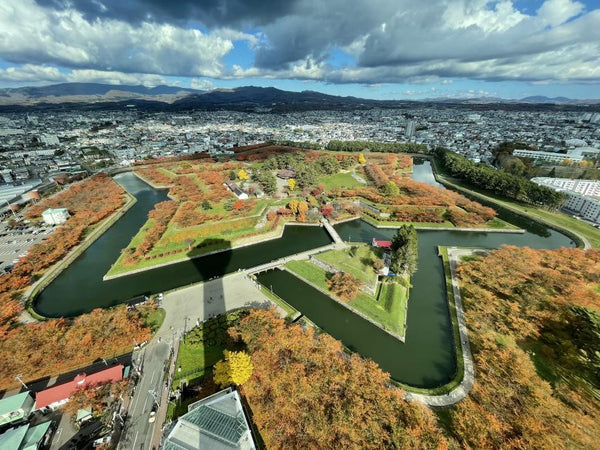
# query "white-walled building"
(55, 216)
(547, 156)
(584, 187)
(586, 207)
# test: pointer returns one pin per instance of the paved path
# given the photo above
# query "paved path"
(463, 389)
(296, 257)
(332, 232)
(358, 177)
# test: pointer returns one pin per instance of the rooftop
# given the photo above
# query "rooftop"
(216, 422)
(62, 392)
(13, 403)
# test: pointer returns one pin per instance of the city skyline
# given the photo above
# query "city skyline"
(382, 50)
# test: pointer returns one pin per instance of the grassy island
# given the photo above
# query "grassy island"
(384, 301)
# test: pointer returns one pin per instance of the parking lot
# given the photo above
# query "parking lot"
(15, 242)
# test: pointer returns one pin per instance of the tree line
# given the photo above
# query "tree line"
(384, 147)
(498, 181)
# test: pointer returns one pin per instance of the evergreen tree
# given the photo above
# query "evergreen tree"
(405, 251)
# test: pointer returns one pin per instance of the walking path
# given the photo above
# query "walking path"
(334, 234)
(463, 389)
(358, 178)
(296, 257)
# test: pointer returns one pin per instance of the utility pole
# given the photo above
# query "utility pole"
(18, 377)
(184, 328)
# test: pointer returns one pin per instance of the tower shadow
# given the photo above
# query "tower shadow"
(205, 327)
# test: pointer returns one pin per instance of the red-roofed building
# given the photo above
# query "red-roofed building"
(58, 395)
(382, 244)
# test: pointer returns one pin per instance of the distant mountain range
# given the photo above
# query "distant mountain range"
(249, 98)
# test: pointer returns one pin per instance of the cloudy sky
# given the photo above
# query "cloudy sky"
(387, 49)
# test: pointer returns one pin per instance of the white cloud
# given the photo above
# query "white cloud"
(203, 85)
(48, 74)
(392, 41)
(32, 34)
(557, 12)
(31, 73)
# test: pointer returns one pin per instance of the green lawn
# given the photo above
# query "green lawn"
(417, 225)
(499, 224)
(194, 360)
(154, 318)
(394, 298)
(389, 311)
(357, 260)
(345, 180)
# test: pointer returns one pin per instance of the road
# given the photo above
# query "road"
(151, 360)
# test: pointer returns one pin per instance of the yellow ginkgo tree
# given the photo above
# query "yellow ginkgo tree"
(242, 175)
(235, 368)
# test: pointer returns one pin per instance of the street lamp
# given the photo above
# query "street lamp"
(18, 377)
(185, 328)
(8, 204)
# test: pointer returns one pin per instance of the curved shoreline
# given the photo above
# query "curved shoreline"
(66, 261)
(580, 240)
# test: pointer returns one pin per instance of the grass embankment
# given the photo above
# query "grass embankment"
(290, 311)
(214, 243)
(555, 219)
(387, 307)
(356, 260)
(339, 180)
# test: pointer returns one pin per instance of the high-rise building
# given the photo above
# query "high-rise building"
(410, 129)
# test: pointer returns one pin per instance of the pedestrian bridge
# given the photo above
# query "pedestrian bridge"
(334, 234)
(297, 257)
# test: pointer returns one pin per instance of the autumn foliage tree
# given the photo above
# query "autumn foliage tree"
(344, 285)
(96, 397)
(534, 322)
(57, 346)
(305, 392)
(89, 202)
(234, 369)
